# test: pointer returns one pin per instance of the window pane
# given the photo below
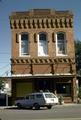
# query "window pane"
(27, 97)
(24, 44)
(42, 45)
(60, 36)
(24, 48)
(49, 95)
(61, 43)
(32, 97)
(61, 49)
(42, 37)
(63, 88)
(39, 96)
(24, 37)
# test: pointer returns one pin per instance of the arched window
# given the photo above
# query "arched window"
(24, 44)
(61, 47)
(42, 44)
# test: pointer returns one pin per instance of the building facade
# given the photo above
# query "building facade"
(43, 54)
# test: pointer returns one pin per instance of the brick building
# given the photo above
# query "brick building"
(43, 54)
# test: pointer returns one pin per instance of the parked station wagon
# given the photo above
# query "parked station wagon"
(37, 100)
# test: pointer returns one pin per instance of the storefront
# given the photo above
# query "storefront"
(60, 85)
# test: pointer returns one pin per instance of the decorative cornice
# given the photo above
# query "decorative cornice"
(41, 23)
(41, 18)
(43, 61)
(36, 13)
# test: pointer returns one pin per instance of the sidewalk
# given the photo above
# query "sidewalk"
(7, 107)
(67, 104)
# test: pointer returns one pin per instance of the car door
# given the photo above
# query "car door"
(29, 100)
(26, 101)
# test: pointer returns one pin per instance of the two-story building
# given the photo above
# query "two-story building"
(43, 54)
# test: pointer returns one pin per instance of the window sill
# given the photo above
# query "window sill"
(24, 56)
(61, 55)
(43, 55)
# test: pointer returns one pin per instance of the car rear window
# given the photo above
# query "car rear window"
(49, 95)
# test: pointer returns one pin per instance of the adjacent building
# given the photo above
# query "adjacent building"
(43, 54)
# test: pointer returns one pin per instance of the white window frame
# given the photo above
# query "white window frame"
(65, 45)
(20, 53)
(42, 55)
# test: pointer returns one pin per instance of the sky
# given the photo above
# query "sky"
(8, 6)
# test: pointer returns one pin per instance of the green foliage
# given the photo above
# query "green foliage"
(79, 94)
(1, 84)
(78, 56)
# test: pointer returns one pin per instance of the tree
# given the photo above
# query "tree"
(1, 84)
(79, 94)
(78, 56)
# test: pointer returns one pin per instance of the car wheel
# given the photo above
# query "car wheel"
(19, 105)
(30, 107)
(36, 106)
(49, 107)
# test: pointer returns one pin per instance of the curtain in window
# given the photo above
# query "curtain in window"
(42, 45)
(61, 43)
(24, 44)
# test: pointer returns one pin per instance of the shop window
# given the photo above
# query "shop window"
(63, 88)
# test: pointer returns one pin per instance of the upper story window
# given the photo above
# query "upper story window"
(61, 47)
(24, 44)
(42, 44)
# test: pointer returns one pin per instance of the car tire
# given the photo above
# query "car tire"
(19, 105)
(49, 107)
(36, 106)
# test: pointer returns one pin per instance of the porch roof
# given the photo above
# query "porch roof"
(41, 76)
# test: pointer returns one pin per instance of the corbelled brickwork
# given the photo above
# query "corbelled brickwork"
(49, 21)
(41, 19)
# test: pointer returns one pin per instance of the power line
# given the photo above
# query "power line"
(6, 73)
(5, 66)
(5, 70)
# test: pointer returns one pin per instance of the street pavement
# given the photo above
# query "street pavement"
(65, 104)
(58, 112)
(49, 119)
